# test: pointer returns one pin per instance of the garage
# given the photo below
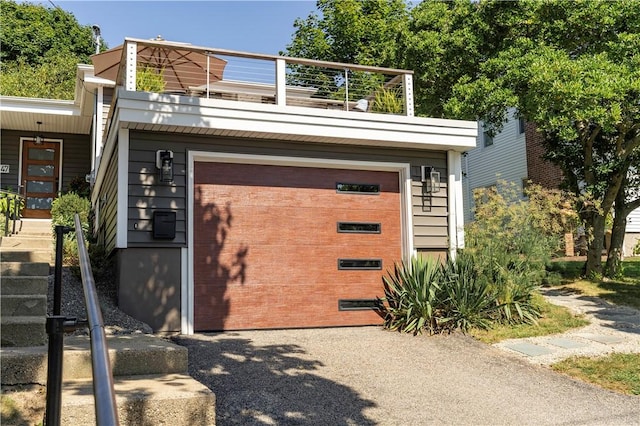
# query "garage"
(281, 246)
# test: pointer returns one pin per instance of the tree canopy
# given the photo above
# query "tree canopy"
(41, 47)
(572, 67)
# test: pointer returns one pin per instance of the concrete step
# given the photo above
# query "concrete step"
(34, 226)
(32, 285)
(23, 305)
(24, 269)
(22, 331)
(22, 255)
(29, 242)
(173, 399)
(134, 354)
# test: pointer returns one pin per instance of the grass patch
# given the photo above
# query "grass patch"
(619, 292)
(616, 372)
(555, 319)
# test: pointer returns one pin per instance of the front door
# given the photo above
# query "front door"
(40, 177)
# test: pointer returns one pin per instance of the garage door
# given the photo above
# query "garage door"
(281, 247)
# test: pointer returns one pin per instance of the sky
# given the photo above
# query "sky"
(258, 26)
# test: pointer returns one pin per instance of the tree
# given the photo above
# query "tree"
(41, 47)
(443, 42)
(363, 32)
(627, 200)
(573, 68)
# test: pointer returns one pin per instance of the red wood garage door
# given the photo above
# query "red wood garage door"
(267, 246)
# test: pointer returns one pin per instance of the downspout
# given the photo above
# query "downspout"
(454, 189)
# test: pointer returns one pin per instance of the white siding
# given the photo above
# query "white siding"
(633, 221)
(483, 166)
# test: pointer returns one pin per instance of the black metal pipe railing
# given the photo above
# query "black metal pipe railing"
(12, 210)
(103, 390)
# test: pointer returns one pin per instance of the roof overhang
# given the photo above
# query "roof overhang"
(56, 116)
(215, 117)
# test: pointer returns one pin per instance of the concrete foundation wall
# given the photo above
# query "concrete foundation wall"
(630, 241)
(149, 286)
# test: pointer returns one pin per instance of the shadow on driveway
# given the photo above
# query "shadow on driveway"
(253, 384)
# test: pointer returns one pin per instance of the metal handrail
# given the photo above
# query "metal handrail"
(14, 204)
(103, 389)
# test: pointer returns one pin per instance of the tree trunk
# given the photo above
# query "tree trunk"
(614, 255)
(595, 235)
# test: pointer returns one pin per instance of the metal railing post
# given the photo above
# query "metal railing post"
(57, 278)
(16, 213)
(55, 331)
(6, 219)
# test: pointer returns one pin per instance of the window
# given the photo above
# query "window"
(359, 227)
(360, 264)
(357, 304)
(521, 125)
(358, 188)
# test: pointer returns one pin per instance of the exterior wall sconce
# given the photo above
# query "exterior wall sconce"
(430, 179)
(164, 163)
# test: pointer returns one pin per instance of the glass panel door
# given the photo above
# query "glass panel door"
(40, 173)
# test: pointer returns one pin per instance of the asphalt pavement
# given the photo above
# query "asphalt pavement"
(369, 376)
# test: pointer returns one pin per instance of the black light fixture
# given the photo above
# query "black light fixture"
(164, 163)
(38, 139)
(430, 179)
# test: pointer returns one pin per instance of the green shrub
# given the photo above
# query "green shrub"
(63, 211)
(388, 101)
(150, 79)
(80, 186)
(65, 207)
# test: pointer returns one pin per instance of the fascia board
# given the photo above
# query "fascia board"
(398, 132)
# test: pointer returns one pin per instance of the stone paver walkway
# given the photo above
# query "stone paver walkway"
(613, 329)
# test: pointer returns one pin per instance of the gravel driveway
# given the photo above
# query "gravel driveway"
(368, 376)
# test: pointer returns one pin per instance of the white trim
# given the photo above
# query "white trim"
(24, 139)
(123, 188)
(186, 311)
(130, 66)
(406, 219)
(456, 209)
(172, 113)
(107, 151)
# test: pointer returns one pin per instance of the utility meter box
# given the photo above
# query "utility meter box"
(164, 225)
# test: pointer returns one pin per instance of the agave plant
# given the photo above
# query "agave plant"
(413, 296)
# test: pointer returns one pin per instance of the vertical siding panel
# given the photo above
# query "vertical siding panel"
(108, 199)
(76, 158)
(10, 151)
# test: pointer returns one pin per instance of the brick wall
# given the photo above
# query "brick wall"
(539, 170)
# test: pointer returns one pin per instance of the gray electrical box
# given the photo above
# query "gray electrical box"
(164, 225)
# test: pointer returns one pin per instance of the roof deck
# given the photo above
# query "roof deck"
(165, 67)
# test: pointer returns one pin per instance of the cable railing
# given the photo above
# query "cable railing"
(11, 204)
(57, 324)
(183, 69)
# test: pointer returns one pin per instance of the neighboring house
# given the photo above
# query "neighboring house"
(232, 204)
(502, 156)
(515, 155)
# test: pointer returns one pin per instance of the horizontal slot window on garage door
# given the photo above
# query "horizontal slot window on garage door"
(357, 304)
(359, 263)
(359, 227)
(358, 188)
